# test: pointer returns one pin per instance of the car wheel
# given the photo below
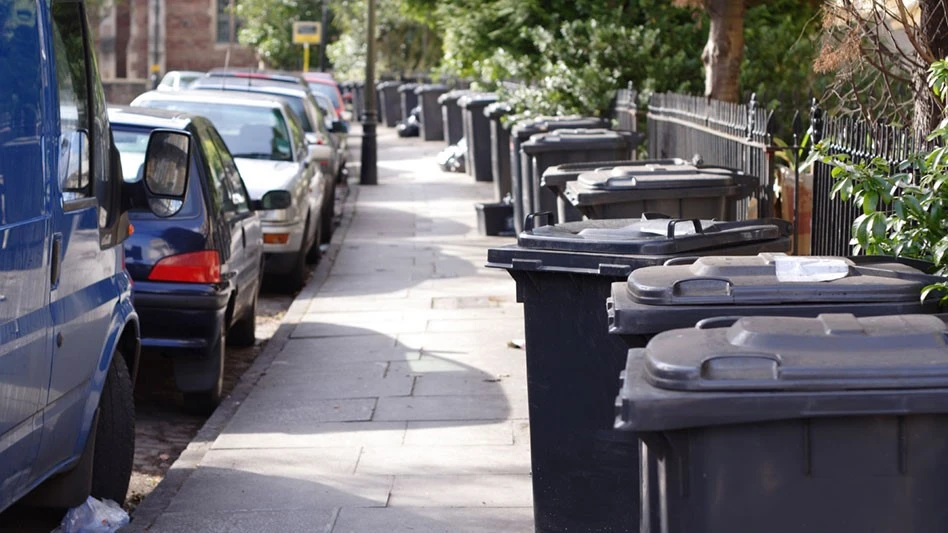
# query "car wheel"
(296, 277)
(328, 217)
(204, 402)
(115, 435)
(243, 333)
(315, 253)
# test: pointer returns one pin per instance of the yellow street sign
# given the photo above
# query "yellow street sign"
(307, 32)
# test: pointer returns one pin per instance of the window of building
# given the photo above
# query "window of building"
(223, 21)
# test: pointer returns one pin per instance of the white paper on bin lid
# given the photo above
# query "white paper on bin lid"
(808, 269)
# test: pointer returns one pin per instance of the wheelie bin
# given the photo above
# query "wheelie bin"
(782, 425)
(499, 148)
(522, 186)
(432, 126)
(407, 99)
(545, 150)
(389, 103)
(585, 475)
(477, 134)
(451, 115)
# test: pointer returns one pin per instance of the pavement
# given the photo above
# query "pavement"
(389, 399)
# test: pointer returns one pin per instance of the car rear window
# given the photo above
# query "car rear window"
(251, 132)
(328, 90)
(132, 143)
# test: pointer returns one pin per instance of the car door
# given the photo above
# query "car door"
(25, 350)
(250, 260)
(84, 263)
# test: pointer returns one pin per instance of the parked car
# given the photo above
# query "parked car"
(197, 274)
(283, 179)
(69, 337)
(176, 80)
(321, 132)
(324, 84)
(339, 130)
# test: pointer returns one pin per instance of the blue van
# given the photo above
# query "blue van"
(69, 336)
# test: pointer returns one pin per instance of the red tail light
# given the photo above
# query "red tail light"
(194, 267)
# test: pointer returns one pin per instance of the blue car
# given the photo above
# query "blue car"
(196, 274)
(69, 335)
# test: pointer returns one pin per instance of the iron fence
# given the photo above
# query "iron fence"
(832, 219)
(735, 136)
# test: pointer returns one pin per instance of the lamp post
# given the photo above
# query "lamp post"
(369, 171)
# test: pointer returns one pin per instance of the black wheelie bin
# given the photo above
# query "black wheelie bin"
(522, 186)
(477, 134)
(499, 148)
(545, 150)
(432, 125)
(585, 475)
(407, 99)
(451, 115)
(389, 103)
(784, 425)
(675, 190)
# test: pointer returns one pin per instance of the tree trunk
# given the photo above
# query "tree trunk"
(933, 29)
(725, 49)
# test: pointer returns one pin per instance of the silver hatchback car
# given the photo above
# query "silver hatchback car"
(280, 172)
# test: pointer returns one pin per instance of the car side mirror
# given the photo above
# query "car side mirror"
(339, 126)
(167, 163)
(273, 200)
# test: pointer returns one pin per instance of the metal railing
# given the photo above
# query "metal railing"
(735, 136)
(833, 218)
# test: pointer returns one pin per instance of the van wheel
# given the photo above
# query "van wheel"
(204, 402)
(115, 435)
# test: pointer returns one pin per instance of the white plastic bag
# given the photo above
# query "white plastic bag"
(94, 516)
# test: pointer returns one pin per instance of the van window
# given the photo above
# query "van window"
(72, 80)
(22, 187)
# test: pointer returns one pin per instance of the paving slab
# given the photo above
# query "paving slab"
(436, 520)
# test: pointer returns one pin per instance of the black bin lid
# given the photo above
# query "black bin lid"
(431, 88)
(561, 174)
(573, 139)
(452, 96)
(525, 128)
(760, 369)
(473, 100)
(497, 110)
(616, 247)
(770, 278)
(655, 176)
(407, 87)
(388, 84)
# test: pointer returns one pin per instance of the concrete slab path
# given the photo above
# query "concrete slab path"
(389, 401)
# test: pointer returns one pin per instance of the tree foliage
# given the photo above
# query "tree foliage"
(267, 27)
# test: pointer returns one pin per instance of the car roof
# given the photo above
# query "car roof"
(211, 97)
(251, 74)
(149, 117)
(279, 90)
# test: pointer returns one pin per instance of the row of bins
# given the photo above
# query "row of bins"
(665, 397)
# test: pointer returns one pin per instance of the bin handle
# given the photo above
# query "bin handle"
(717, 322)
(672, 224)
(651, 215)
(530, 223)
(684, 260)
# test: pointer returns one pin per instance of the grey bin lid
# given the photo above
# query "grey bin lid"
(524, 129)
(497, 110)
(761, 369)
(386, 84)
(477, 100)
(641, 177)
(754, 280)
(650, 235)
(575, 139)
(830, 352)
(559, 175)
(430, 88)
(452, 96)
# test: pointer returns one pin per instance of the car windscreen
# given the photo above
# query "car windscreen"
(132, 142)
(328, 90)
(251, 132)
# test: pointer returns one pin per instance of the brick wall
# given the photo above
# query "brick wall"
(192, 38)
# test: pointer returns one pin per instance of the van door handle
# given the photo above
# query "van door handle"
(56, 260)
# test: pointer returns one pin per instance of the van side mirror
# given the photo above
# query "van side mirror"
(339, 126)
(167, 163)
